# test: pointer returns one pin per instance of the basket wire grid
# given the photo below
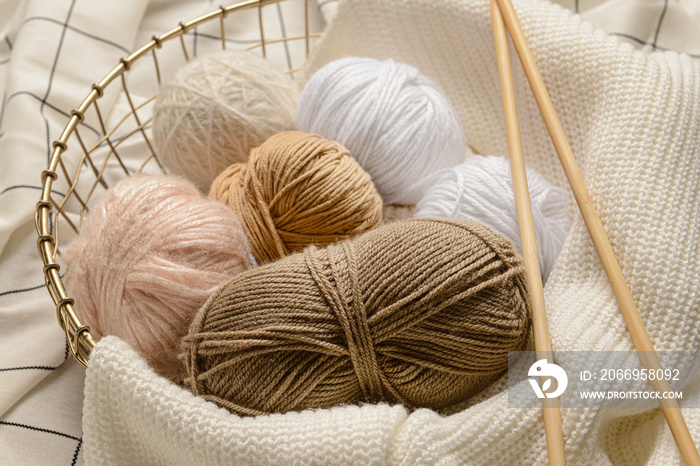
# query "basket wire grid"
(98, 148)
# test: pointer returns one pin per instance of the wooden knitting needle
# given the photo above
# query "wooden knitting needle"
(630, 313)
(540, 328)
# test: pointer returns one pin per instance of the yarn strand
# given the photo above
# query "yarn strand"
(341, 293)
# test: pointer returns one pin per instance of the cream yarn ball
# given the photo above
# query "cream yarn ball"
(218, 107)
(481, 189)
(398, 124)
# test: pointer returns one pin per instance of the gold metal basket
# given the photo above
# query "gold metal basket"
(96, 149)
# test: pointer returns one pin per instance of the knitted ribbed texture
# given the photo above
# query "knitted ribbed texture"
(421, 312)
(134, 417)
(633, 122)
(298, 189)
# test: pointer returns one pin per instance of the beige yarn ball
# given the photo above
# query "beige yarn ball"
(216, 109)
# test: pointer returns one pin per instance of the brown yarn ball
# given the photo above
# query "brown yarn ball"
(421, 312)
(298, 189)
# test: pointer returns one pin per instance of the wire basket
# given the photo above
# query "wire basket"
(97, 149)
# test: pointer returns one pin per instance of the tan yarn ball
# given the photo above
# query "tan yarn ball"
(298, 189)
(421, 312)
(216, 109)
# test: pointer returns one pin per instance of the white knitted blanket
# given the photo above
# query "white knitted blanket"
(632, 120)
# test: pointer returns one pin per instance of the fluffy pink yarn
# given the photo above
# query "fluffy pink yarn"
(148, 256)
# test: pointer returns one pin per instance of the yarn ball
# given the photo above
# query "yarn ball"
(481, 189)
(218, 107)
(149, 255)
(298, 189)
(421, 312)
(397, 123)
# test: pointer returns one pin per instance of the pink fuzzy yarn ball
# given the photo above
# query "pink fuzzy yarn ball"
(150, 253)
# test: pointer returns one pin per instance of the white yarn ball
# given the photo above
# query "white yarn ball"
(481, 189)
(216, 109)
(398, 124)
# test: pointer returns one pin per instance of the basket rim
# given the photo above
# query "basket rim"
(78, 336)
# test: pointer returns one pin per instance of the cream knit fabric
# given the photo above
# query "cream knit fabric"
(632, 120)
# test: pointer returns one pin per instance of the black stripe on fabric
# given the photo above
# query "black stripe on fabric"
(284, 36)
(39, 429)
(51, 76)
(58, 50)
(73, 28)
(51, 220)
(2, 111)
(26, 368)
(4, 293)
(627, 36)
(77, 452)
(26, 186)
(23, 290)
(205, 35)
(641, 42)
(28, 289)
(658, 25)
(195, 34)
(52, 107)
